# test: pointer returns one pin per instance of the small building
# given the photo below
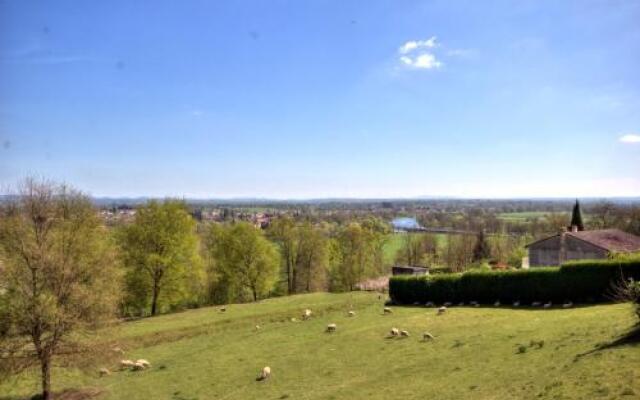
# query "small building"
(580, 245)
(408, 270)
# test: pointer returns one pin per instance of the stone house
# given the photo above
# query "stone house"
(580, 245)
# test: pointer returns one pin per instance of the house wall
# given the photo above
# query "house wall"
(545, 252)
(581, 250)
(548, 252)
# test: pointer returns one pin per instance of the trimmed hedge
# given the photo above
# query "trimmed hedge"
(581, 281)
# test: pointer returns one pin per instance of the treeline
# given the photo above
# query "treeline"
(164, 260)
(171, 262)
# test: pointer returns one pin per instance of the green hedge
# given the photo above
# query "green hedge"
(582, 281)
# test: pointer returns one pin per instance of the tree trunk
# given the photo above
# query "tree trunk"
(154, 300)
(45, 364)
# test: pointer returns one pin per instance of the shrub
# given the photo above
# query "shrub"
(576, 281)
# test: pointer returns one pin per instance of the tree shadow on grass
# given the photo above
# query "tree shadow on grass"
(67, 394)
(631, 338)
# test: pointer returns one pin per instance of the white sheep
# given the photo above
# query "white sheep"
(536, 304)
(461, 304)
(306, 314)
(394, 332)
(427, 336)
(497, 303)
(257, 327)
(265, 373)
(548, 305)
(442, 310)
(104, 372)
(351, 313)
(448, 304)
(331, 327)
(429, 304)
(387, 310)
(223, 309)
(567, 305)
(126, 364)
(516, 304)
(404, 333)
(137, 367)
(144, 363)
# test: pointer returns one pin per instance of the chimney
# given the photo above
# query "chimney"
(574, 228)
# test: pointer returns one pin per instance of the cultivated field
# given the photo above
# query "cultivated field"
(478, 353)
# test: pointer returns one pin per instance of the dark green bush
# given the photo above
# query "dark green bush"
(583, 281)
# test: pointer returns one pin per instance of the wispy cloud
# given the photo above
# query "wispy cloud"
(630, 138)
(36, 54)
(419, 54)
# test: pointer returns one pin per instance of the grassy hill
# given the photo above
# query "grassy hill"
(479, 353)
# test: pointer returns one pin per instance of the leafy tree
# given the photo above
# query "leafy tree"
(59, 274)
(481, 250)
(245, 258)
(417, 250)
(357, 253)
(313, 257)
(283, 231)
(160, 252)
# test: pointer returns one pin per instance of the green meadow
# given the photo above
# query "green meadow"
(479, 353)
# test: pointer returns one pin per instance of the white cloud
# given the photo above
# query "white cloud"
(414, 54)
(416, 44)
(630, 138)
(421, 61)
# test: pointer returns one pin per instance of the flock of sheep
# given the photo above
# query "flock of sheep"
(265, 373)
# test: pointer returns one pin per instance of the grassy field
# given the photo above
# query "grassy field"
(395, 241)
(523, 216)
(479, 353)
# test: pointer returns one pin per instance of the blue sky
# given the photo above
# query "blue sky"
(301, 99)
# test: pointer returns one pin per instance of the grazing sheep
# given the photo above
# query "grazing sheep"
(447, 304)
(351, 313)
(427, 336)
(416, 303)
(137, 367)
(516, 304)
(394, 332)
(293, 320)
(257, 327)
(536, 304)
(264, 374)
(387, 310)
(404, 333)
(306, 314)
(497, 303)
(223, 309)
(567, 305)
(143, 362)
(429, 304)
(461, 304)
(104, 372)
(124, 364)
(548, 305)
(331, 327)
(442, 310)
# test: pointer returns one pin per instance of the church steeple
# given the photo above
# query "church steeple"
(576, 217)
